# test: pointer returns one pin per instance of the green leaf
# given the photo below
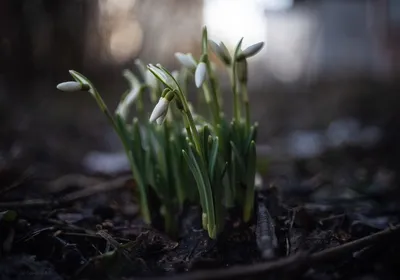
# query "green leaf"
(239, 158)
(123, 132)
(138, 151)
(213, 156)
(250, 180)
(235, 133)
(206, 185)
(126, 141)
(178, 170)
(252, 136)
(149, 169)
(191, 161)
(205, 134)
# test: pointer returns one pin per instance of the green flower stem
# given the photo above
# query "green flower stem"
(192, 132)
(213, 84)
(236, 108)
(195, 134)
(135, 171)
(145, 210)
(207, 191)
(177, 172)
(211, 105)
(245, 94)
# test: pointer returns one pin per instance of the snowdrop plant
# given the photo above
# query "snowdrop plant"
(172, 147)
(153, 151)
(237, 136)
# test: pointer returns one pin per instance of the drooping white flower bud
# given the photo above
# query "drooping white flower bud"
(242, 71)
(200, 74)
(72, 86)
(186, 60)
(160, 111)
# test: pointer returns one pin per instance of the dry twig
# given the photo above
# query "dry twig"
(285, 264)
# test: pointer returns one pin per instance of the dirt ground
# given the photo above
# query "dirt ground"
(330, 216)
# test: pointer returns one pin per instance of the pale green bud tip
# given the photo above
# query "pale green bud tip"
(200, 74)
(251, 50)
(186, 60)
(72, 86)
(160, 111)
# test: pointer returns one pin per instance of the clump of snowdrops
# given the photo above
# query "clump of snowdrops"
(172, 149)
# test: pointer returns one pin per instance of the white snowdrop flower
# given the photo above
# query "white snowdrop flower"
(251, 50)
(72, 86)
(200, 74)
(160, 111)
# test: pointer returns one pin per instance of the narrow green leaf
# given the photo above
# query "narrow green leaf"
(178, 170)
(124, 135)
(123, 132)
(232, 176)
(205, 134)
(137, 149)
(209, 196)
(239, 158)
(224, 170)
(198, 178)
(250, 180)
(252, 136)
(213, 157)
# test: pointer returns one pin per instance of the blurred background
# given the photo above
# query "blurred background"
(324, 89)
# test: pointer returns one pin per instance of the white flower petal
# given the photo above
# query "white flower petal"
(69, 86)
(160, 120)
(200, 74)
(160, 109)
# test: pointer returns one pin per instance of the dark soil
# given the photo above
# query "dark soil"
(86, 227)
(316, 219)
